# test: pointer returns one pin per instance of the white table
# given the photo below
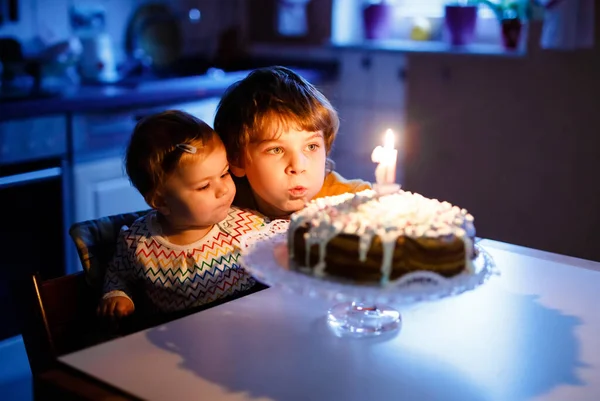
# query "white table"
(531, 334)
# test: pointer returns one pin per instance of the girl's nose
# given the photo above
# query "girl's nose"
(222, 189)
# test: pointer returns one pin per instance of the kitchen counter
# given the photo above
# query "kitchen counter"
(173, 90)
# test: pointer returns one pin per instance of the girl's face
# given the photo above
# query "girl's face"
(200, 191)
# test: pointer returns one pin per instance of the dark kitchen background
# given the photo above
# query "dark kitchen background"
(505, 126)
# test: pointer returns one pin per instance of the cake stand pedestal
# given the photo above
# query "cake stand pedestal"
(360, 310)
(357, 319)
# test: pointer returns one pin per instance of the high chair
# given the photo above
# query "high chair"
(59, 314)
(96, 241)
(60, 318)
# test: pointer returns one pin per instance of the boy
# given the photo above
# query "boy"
(278, 130)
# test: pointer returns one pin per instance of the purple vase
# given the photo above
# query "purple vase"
(460, 22)
(511, 33)
(378, 20)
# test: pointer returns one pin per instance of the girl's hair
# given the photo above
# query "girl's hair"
(155, 149)
(270, 101)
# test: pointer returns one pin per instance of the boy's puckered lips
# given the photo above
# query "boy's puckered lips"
(298, 191)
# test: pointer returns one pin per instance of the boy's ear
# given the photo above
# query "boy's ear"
(237, 168)
(237, 171)
(329, 165)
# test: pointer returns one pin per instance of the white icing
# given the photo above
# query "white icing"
(469, 249)
(364, 245)
(388, 216)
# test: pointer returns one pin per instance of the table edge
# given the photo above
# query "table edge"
(540, 254)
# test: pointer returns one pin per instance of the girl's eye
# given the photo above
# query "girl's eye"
(203, 187)
(275, 151)
(225, 174)
(313, 146)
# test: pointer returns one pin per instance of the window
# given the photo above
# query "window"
(432, 8)
(347, 20)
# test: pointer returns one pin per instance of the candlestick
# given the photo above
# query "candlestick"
(385, 172)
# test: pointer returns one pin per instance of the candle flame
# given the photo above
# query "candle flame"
(390, 139)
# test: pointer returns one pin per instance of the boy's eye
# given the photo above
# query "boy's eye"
(225, 174)
(313, 146)
(275, 151)
(202, 188)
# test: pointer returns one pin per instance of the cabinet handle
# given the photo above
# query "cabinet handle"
(365, 62)
(26, 178)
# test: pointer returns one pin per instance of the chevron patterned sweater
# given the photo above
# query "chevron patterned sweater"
(175, 277)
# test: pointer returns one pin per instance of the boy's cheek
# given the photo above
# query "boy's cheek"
(266, 165)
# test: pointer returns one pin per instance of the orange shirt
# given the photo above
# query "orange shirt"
(335, 184)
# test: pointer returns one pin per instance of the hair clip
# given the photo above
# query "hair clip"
(187, 148)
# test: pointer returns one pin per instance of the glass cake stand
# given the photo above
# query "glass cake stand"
(360, 310)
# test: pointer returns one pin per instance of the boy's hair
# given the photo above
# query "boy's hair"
(153, 154)
(272, 100)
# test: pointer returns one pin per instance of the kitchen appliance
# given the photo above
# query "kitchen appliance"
(291, 17)
(154, 36)
(35, 216)
(47, 72)
(19, 76)
(10, 12)
(97, 62)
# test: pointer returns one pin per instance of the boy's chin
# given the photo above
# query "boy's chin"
(294, 205)
(282, 210)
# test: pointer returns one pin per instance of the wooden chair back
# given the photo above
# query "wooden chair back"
(61, 318)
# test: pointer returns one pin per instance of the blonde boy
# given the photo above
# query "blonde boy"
(278, 130)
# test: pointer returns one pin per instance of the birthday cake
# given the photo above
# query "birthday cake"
(371, 238)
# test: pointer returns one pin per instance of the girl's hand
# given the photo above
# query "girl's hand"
(115, 307)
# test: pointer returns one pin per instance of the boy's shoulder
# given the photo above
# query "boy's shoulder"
(335, 184)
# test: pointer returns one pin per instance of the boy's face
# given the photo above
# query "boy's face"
(286, 171)
(200, 191)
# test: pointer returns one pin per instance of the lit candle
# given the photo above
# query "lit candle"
(386, 156)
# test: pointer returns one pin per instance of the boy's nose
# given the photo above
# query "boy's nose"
(297, 163)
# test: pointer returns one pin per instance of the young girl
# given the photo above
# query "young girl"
(184, 253)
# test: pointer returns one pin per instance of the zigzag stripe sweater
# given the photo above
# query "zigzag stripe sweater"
(175, 277)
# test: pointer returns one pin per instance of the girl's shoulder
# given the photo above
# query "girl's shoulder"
(143, 229)
(242, 220)
(235, 211)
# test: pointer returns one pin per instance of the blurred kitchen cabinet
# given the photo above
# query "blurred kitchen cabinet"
(356, 74)
(204, 109)
(369, 98)
(102, 188)
(101, 185)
